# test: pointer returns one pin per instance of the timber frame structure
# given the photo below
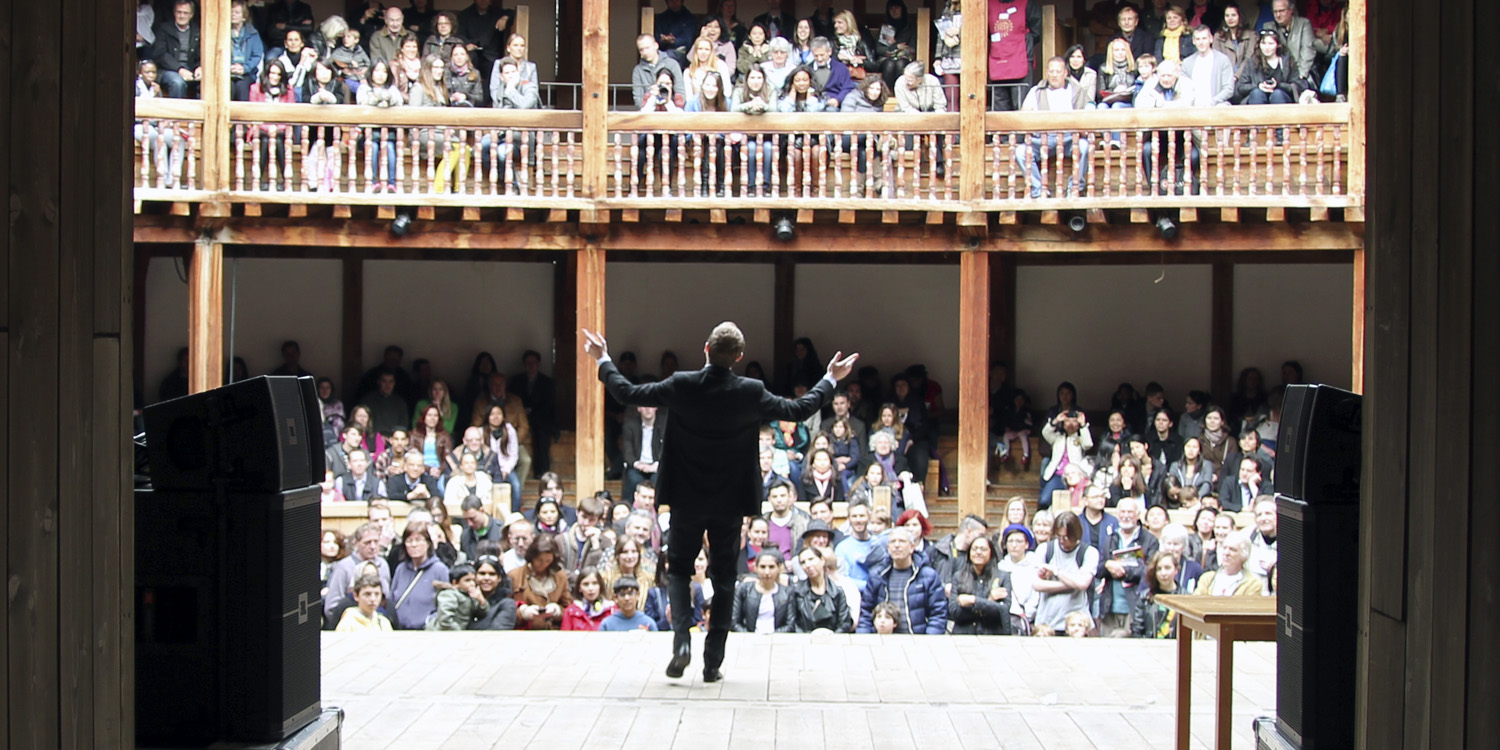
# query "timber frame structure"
(1275, 183)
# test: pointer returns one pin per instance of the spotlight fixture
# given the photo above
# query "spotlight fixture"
(784, 229)
(1076, 222)
(402, 223)
(1167, 227)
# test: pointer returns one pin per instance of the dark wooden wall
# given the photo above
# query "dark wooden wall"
(1430, 650)
(67, 631)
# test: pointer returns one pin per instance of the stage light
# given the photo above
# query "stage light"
(401, 223)
(784, 229)
(1166, 227)
(1076, 222)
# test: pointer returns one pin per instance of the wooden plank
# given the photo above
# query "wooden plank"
(1095, 216)
(648, 20)
(673, 216)
(342, 211)
(593, 216)
(1221, 332)
(385, 213)
(973, 380)
(924, 34)
(564, 322)
(762, 216)
(846, 217)
(352, 325)
(630, 216)
(108, 511)
(596, 98)
(515, 214)
(1008, 217)
(557, 215)
(353, 114)
(1276, 213)
(890, 217)
(424, 213)
(1229, 215)
(936, 218)
(1003, 310)
(974, 47)
(206, 317)
(784, 318)
(717, 216)
(588, 450)
(1052, 41)
(470, 213)
(181, 208)
(1140, 216)
(804, 216)
(1049, 217)
(1357, 342)
(1358, 94)
(252, 210)
(299, 211)
(1188, 214)
(1318, 213)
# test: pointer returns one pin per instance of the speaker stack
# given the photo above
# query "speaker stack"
(1317, 467)
(227, 589)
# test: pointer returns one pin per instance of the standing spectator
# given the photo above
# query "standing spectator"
(504, 446)
(386, 43)
(1270, 76)
(830, 77)
(245, 52)
(390, 363)
(755, 51)
(415, 484)
(1239, 491)
(412, 580)
(432, 441)
(145, 29)
(724, 46)
(419, 17)
(1065, 578)
(1068, 438)
(359, 484)
(676, 29)
(980, 601)
(775, 21)
(537, 394)
(1083, 75)
(465, 85)
(1015, 29)
(484, 26)
(895, 42)
(1234, 36)
(912, 585)
(1022, 565)
(1124, 557)
(177, 50)
(439, 396)
(387, 409)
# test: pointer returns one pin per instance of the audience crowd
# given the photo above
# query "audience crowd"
(1101, 545)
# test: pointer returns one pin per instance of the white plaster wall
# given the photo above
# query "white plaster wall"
(839, 307)
(166, 322)
(472, 306)
(1100, 325)
(650, 308)
(1301, 312)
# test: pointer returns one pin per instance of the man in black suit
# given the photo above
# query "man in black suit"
(414, 485)
(1238, 491)
(708, 471)
(360, 484)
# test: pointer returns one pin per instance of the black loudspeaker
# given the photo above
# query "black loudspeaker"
(1318, 445)
(258, 435)
(227, 616)
(1317, 622)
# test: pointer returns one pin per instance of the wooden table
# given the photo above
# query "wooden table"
(1226, 619)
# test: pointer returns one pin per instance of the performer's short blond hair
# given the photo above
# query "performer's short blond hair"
(725, 344)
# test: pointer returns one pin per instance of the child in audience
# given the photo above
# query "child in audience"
(1145, 67)
(885, 617)
(460, 602)
(880, 518)
(350, 60)
(1077, 623)
(589, 607)
(363, 616)
(626, 617)
(1018, 427)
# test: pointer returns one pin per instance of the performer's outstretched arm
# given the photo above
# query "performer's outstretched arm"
(796, 410)
(624, 391)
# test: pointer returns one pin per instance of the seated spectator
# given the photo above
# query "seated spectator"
(626, 617)
(818, 603)
(439, 397)
(585, 544)
(432, 440)
(780, 65)
(1150, 619)
(412, 580)
(676, 29)
(177, 50)
(589, 607)
(895, 43)
(1175, 42)
(755, 96)
(381, 90)
(922, 609)
(851, 47)
(494, 586)
(518, 533)
(753, 540)
(646, 78)
(866, 98)
(407, 67)
(844, 449)
(980, 601)
(725, 45)
(1234, 36)
(642, 526)
(1022, 565)
(1238, 492)
(459, 602)
(157, 140)
(386, 409)
(787, 522)
(464, 83)
(918, 91)
(386, 43)
(830, 77)
(444, 37)
(245, 52)
(1081, 74)
(755, 51)
(951, 552)
(1057, 92)
(527, 78)
(1117, 81)
(1171, 153)
(855, 548)
(548, 517)
(710, 96)
(820, 534)
(1263, 539)
(392, 460)
(1269, 76)
(1156, 519)
(1066, 576)
(821, 481)
(473, 443)
(1192, 470)
(641, 446)
(469, 481)
(1298, 40)
(1231, 578)
(336, 457)
(762, 604)
(893, 472)
(510, 89)
(364, 617)
(431, 88)
(1224, 525)
(359, 484)
(1249, 446)
(880, 519)
(657, 600)
(330, 487)
(629, 561)
(1176, 538)
(885, 618)
(1212, 72)
(541, 587)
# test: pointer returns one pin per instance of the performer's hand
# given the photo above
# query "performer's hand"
(594, 345)
(838, 369)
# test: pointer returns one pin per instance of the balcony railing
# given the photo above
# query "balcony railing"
(1274, 156)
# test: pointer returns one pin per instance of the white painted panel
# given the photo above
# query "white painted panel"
(651, 308)
(1297, 312)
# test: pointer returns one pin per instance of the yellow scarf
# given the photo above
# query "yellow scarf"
(1171, 46)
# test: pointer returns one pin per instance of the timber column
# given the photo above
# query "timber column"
(589, 408)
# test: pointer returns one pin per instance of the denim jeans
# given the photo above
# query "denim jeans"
(1049, 150)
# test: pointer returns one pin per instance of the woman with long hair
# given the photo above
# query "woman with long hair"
(589, 607)
(374, 442)
(1192, 470)
(980, 602)
(867, 98)
(726, 12)
(1269, 76)
(429, 437)
(714, 169)
(321, 165)
(494, 586)
(465, 84)
(844, 445)
(762, 604)
(702, 62)
(862, 490)
(500, 435)
(801, 40)
(1148, 618)
(439, 396)
(541, 587)
(722, 42)
(431, 87)
(381, 90)
(628, 560)
(755, 51)
(850, 46)
(754, 96)
(1216, 440)
(1234, 37)
(1077, 67)
(332, 548)
(1175, 42)
(408, 67)
(817, 602)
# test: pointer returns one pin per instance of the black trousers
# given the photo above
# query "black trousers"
(683, 543)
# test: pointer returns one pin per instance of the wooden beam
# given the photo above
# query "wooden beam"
(595, 97)
(206, 317)
(1052, 41)
(784, 317)
(974, 46)
(1358, 94)
(973, 380)
(1221, 332)
(589, 411)
(1357, 344)
(352, 327)
(214, 90)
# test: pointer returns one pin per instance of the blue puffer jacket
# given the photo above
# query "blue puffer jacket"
(927, 605)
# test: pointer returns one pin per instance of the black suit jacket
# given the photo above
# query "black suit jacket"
(346, 486)
(1231, 495)
(631, 439)
(397, 486)
(709, 465)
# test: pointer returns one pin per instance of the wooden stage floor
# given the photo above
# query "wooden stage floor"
(560, 691)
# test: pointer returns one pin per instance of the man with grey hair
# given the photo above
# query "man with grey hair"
(780, 65)
(919, 91)
(913, 586)
(1123, 560)
(386, 43)
(708, 471)
(829, 75)
(366, 548)
(1232, 578)
(1263, 538)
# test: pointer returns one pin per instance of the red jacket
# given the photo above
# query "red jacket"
(575, 617)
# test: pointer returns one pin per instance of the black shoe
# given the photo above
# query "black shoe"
(712, 674)
(680, 661)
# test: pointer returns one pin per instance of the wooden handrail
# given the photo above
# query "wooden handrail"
(457, 117)
(779, 122)
(1268, 115)
(169, 109)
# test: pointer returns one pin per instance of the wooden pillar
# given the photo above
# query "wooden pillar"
(206, 316)
(1357, 344)
(214, 90)
(972, 101)
(595, 99)
(589, 411)
(1358, 98)
(973, 380)
(352, 329)
(1221, 332)
(784, 301)
(1052, 41)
